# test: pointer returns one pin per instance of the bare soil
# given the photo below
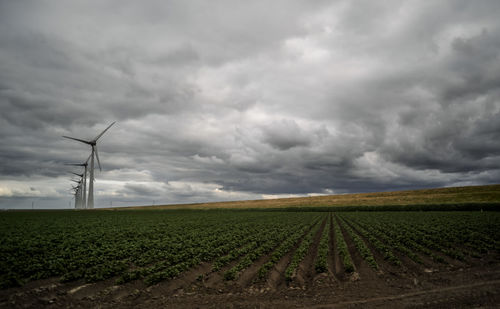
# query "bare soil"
(475, 283)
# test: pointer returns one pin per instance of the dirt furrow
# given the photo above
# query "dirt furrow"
(214, 280)
(183, 282)
(434, 302)
(385, 267)
(250, 274)
(334, 265)
(334, 258)
(305, 271)
(363, 269)
(276, 278)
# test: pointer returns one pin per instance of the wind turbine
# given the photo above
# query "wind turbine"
(93, 145)
(78, 194)
(84, 177)
(80, 187)
(78, 198)
(75, 192)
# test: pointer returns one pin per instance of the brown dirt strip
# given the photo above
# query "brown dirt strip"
(406, 295)
(473, 287)
(334, 265)
(214, 280)
(183, 281)
(251, 273)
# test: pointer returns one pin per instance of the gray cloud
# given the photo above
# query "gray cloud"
(285, 134)
(225, 100)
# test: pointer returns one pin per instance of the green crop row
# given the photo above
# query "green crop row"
(283, 249)
(154, 245)
(365, 252)
(379, 245)
(321, 264)
(387, 237)
(272, 240)
(300, 253)
(344, 254)
(233, 255)
(404, 238)
(128, 245)
(457, 235)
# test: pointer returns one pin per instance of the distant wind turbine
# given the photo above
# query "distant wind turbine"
(84, 177)
(78, 196)
(75, 192)
(81, 186)
(93, 145)
(78, 193)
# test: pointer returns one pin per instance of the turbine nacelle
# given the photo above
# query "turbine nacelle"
(92, 142)
(84, 164)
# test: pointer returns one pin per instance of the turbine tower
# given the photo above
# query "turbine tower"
(94, 153)
(84, 177)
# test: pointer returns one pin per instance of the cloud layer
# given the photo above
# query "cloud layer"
(238, 100)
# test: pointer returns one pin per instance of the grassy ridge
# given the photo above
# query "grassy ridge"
(456, 198)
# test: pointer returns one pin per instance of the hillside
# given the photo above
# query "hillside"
(489, 194)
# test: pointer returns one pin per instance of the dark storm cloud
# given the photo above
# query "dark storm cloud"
(285, 134)
(225, 100)
(459, 134)
(476, 65)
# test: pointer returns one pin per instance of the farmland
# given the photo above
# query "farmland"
(193, 258)
(461, 197)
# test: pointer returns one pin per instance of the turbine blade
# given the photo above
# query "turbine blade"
(77, 139)
(74, 164)
(87, 161)
(81, 175)
(98, 136)
(97, 157)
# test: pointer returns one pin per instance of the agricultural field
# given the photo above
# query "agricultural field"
(463, 198)
(243, 258)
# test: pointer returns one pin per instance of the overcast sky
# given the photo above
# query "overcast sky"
(228, 100)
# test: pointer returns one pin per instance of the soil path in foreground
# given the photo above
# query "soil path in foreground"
(465, 288)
